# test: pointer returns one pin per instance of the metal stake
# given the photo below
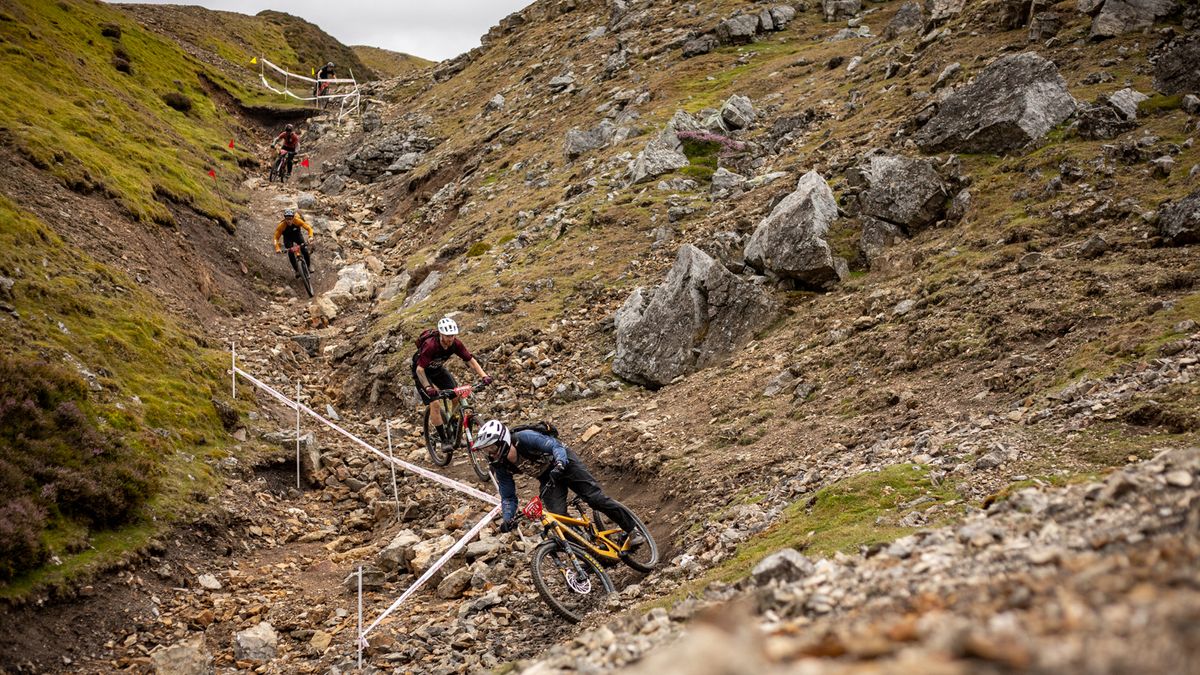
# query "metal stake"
(297, 435)
(233, 371)
(360, 635)
(392, 463)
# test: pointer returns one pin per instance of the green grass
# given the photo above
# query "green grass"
(157, 380)
(839, 518)
(98, 129)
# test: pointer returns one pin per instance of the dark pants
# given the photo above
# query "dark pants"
(291, 157)
(580, 481)
(438, 377)
(290, 239)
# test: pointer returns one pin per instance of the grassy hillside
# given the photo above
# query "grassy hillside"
(107, 429)
(109, 107)
(386, 63)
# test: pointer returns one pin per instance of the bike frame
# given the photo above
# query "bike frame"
(562, 527)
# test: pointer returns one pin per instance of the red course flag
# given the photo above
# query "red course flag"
(212, 174)
(304, 163)
(231, 142)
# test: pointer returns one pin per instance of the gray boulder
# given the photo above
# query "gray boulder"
(700, 45)
(580, 142)
(739, 29)
(256, 644)
(561, 83)
(1114, 17)
(1177, 71)
(782, 15)
(333, 185)
(784, 565)
(306, 201)
(877, 237)
(695, 318)
(664, 153)
(495, 103)
(1179, 223)
(908, 19)
(188, 657)
(1012, 103)
(790, 242)
(738, 112)
(1044, 26)
(725, 183)
(900, 190)
(839, 10)
(1126, 102)
(940, 10)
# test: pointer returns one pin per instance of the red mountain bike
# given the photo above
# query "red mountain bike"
(462, 424)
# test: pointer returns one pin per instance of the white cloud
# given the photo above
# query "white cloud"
(432, 29)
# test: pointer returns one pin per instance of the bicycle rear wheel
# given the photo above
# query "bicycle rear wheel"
(433, 445)
(569, 580)
(645, 557)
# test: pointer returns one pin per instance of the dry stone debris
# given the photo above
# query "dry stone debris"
(259, 643)
(1177, 70)
(187, 657)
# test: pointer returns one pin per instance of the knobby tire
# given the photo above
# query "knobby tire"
(645, 558)
(436, 455)
(304, 273)
(552, 585)
(478, 461)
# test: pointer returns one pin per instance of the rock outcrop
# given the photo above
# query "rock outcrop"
(579, 142)
(664, 153)
(790, 242)
(1012, 103)
(695, 318)
(1114, 17)
(903, 191)
(1179, 223)
(1177, 70)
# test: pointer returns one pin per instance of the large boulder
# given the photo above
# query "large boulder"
(877, 237)
(399, 552)
(739, 29)
(664, 153)
(1012, 103)
(790, 242)
(908, 19)
(695, 318)
(838, 10)
(579, 142)
(940, 10)
(1114, 17)
(1177, 71)
(1179, 223)
(355, 283)
(738, 112)
(900, 190)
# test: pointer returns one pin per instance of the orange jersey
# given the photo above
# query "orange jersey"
(297, 221)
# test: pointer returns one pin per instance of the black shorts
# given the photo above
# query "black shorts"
(438, 377)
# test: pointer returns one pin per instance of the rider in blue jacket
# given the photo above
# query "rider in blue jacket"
(556, 467)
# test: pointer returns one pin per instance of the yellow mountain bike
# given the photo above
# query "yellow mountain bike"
(568, 567)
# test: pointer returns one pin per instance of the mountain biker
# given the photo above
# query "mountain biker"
(429, 369)
(325, 73)
(289, 140)
(556, 467)
(289, 230)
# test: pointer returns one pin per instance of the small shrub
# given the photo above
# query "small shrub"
(177, 101)
(478, 248)
(111, 30)
(21, 547)
(1160, 103)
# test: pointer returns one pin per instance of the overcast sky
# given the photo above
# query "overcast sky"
(432, 29)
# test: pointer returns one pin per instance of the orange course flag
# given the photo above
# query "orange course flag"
(212, 174)
(231, 142)
(304, 163)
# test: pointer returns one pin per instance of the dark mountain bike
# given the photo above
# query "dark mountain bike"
(462, 424)
(297, 250)
(279, 170)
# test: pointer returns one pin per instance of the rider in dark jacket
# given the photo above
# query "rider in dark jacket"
(556, 467)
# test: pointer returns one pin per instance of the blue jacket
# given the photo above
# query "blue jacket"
(536, 452)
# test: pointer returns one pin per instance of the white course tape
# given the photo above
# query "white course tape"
(297, 76)
(420, 471)
(431, 571)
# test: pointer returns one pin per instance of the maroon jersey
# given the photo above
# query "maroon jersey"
(433, 355)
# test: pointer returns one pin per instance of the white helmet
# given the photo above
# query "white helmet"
(446, 326)
(491, 433)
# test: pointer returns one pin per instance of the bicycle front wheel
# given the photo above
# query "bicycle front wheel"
(305, 275)
(479, 462)
(433, 445)
(569, 580)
